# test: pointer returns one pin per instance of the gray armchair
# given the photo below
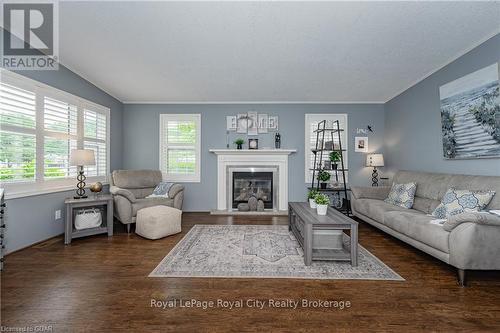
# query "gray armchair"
(130, 189)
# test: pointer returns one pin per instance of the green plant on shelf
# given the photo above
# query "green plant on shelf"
(312, 194)
(323, 176)
(322, 199)
(334, 156)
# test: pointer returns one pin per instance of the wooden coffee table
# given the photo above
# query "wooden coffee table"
(303, 220)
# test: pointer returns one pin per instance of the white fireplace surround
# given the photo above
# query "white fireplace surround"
(229, 160)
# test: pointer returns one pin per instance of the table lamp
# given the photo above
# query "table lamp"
(80, 158)
(375, 160)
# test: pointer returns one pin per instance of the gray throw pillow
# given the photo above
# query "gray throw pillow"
(402, 195)
(161, 190)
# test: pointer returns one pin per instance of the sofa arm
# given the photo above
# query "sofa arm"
(379, 192)
(479, 218)
(174, 190)
(475, 246)
(114, 190)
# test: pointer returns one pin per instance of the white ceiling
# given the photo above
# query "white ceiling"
(267, 51)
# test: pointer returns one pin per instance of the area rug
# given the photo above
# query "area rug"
(259, 251)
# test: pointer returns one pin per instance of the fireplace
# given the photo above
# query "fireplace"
(257, 184)
(243, 163)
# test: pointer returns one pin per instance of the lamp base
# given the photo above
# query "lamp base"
(80, 192)
(374, 177)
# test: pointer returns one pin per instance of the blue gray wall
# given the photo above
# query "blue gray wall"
(141, 141)
(31, 219)
(413, 120)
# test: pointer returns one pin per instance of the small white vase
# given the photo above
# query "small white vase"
(321, 209)
(312, 203)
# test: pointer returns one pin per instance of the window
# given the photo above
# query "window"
(180, 137)
(311, 124)
(39, 126)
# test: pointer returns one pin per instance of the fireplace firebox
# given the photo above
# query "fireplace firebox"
(257, 184)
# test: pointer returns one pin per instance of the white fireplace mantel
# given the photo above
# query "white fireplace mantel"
(253, 151)
(234, 158)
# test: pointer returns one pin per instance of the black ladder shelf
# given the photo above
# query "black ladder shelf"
(335, 131)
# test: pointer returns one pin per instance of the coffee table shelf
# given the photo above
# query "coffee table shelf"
(303, 221)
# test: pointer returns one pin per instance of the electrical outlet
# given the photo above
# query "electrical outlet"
(58, 214)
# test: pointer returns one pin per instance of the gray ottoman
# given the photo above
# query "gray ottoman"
(158, 221)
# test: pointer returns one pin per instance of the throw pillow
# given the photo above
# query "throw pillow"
(161, 190)
(462, 201)
(402, 195)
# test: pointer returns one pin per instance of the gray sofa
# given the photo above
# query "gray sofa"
(130, 189)
(469, 246)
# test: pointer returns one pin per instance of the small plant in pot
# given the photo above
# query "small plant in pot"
(334, 158)
(311, 195)
(322, 202)
(239, 143)
(323, 177)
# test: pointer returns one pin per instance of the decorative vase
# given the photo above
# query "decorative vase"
(321, 209)
(239, 146)
(323, 185)
(312, 204)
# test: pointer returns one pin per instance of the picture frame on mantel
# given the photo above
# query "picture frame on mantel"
(242, 123)
(263, 121)
(253, 123)
(231, 123)
(273, 123)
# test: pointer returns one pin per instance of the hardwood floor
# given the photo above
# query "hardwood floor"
(100, 284)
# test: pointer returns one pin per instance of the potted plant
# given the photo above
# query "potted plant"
(239, 143)
(311, 195)
(322, 202)
(323, 177)
(334, 158)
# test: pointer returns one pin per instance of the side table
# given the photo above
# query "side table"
(103, 202)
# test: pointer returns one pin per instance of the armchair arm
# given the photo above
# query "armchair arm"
(114, 190)
(479, 218)
(174, 190)
(380, 192)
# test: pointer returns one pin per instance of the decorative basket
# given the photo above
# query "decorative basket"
(88, 218)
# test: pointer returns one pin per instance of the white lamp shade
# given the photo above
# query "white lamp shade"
(80, 157)
(375, 160)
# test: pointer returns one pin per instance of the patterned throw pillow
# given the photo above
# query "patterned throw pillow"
(402, 195)
(462, 201)
(161, 190)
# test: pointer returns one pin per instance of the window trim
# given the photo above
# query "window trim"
(307, 151)
(196, 177)
(39, 185)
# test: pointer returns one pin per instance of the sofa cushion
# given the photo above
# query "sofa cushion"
(136, 178)
(375, 209)
(429, 185)
(462, 201)
(417, 225)
(399, 220)
(402, 195)
(425, 205)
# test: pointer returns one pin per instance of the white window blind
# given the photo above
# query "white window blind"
(39, 126)
(180, 146)
(17, 133)
(311, 124)
(60, 137)
(95, 130)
